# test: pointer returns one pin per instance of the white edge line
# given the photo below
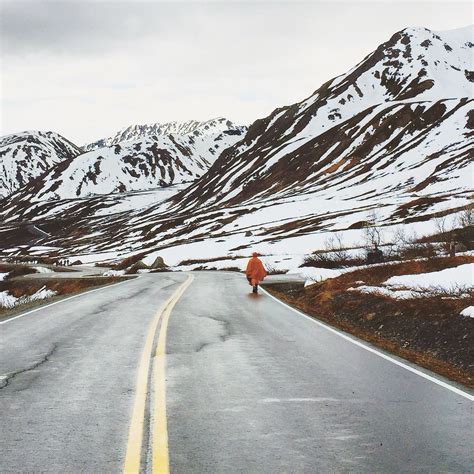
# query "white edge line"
(67, 299)
(375, 351)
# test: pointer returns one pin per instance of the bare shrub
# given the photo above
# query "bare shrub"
(455, 292)
(409, 246)
(209, 260)
(466, 218)
(417, 250)
(231, 269)
(272, 270)
(444, 227)
(443, 224)
(334, 244)
(334, 255)
(373, 234)
(321, 259)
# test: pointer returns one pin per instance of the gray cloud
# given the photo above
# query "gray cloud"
(86, 68)
(77, 27)
(100, 26)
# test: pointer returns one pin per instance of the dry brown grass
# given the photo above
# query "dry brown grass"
(63, 287)
(231, 269)
(208, 260)
(428, 331)
(16, 270)
(331, 260)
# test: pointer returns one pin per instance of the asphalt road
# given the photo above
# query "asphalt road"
(250, 386)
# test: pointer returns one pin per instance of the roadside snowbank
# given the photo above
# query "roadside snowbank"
(468, 312)
(314, 275)
(113, 273)
(448, 279)
(380, 290)
(458, 280)
(9, 301)
(43, 270)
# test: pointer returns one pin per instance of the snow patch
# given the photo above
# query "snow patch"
(468, 312)
(448, 279)
(379, 290)
(10, 301)
(43, 270)
(6, 300)
(113, 273)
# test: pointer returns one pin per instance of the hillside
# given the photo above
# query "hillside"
(25, 156)
(146, 163)
(415, 65)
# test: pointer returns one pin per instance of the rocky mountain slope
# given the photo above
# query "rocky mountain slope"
(393, 135)
(415, 65)
(27, 155)
(144, 163)
(194, 127)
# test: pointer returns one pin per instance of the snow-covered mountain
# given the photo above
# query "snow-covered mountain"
(394, 135)
(133, 166)
(414, 66)
(195, 127)
(27, 155)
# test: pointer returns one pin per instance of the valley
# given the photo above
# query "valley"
(393, 136)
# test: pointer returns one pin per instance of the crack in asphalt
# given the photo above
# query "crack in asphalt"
(205, 344)
(222, 337)
(130, 296)
(103, 308)
(169, 286)
(139, 293)
(5, 381)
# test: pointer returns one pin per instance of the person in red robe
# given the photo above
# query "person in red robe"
(255, 272)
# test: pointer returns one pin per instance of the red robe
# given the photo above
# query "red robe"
(255, 271)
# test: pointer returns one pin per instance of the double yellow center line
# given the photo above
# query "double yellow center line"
(159, 428)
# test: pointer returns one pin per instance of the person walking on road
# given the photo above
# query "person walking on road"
(255, 272)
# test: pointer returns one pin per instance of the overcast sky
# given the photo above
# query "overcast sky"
(86, 68)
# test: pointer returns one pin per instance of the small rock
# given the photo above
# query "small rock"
(158, 263)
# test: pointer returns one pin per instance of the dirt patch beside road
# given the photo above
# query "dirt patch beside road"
(62, 287)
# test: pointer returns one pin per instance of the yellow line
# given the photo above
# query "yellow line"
(135, 433)
(160, 455)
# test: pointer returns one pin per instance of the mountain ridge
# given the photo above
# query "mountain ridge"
(133, 132)
(393, 135)
(134, 164)
(290, 127)
(27, 155)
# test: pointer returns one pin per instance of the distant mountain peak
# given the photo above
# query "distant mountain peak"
(27, 155)
(134, 132)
